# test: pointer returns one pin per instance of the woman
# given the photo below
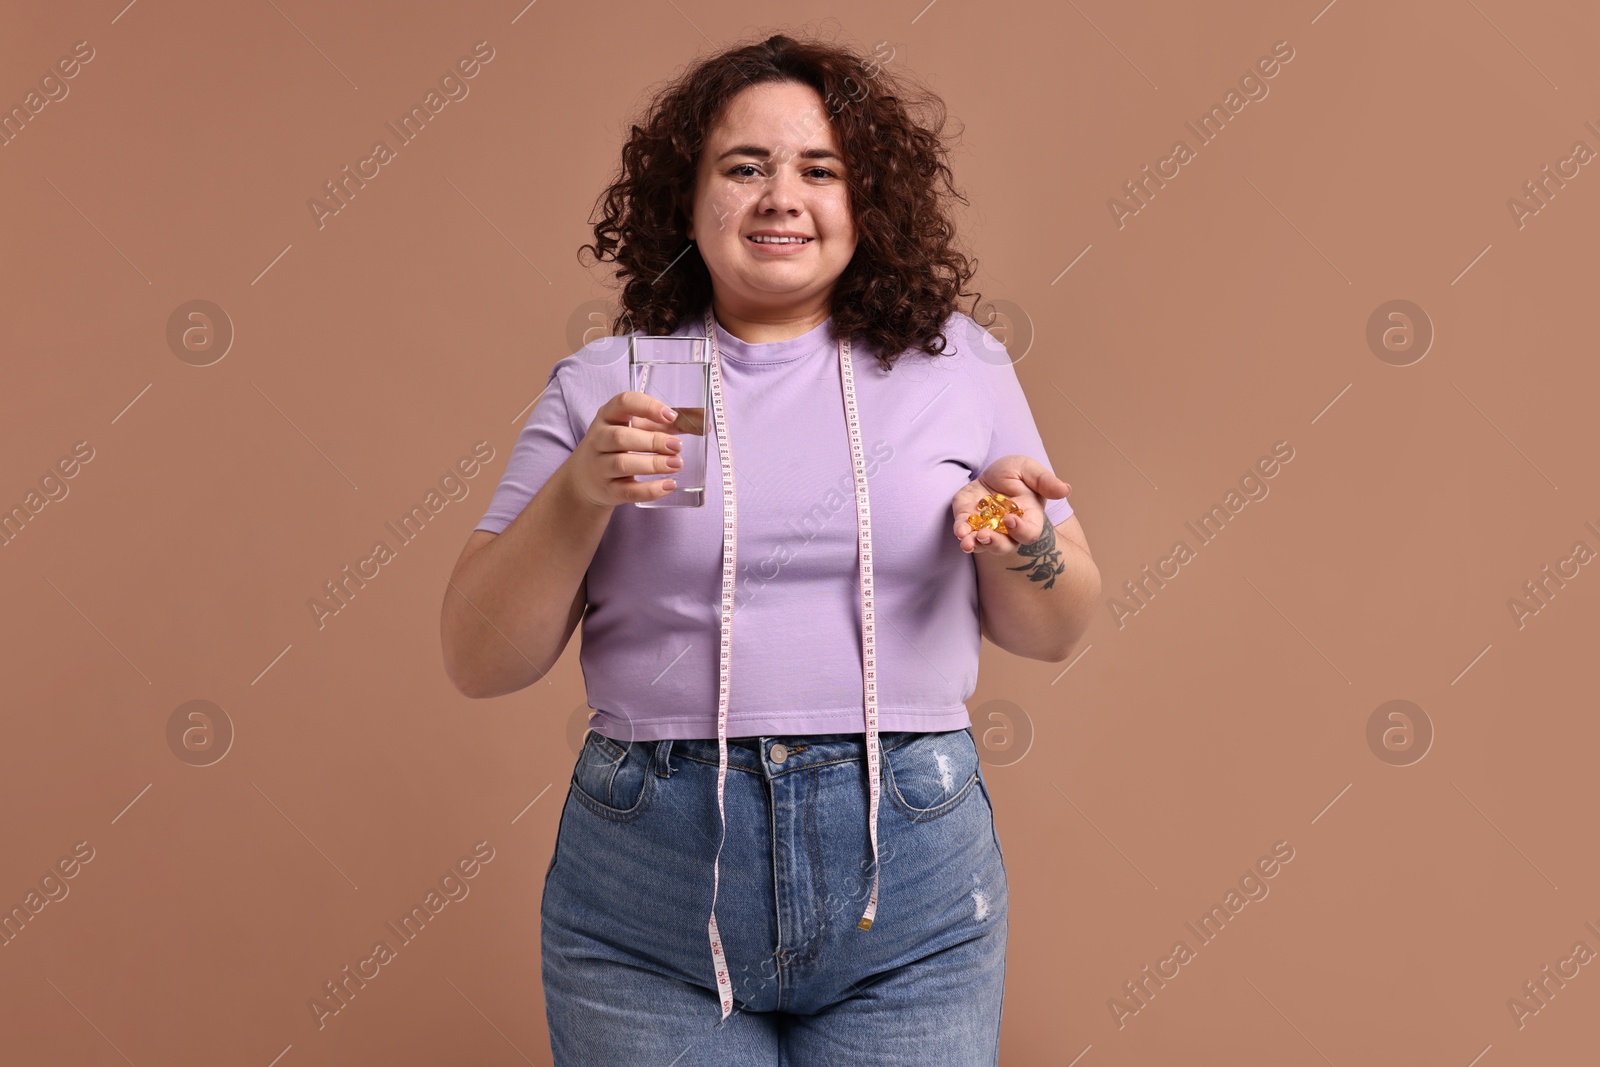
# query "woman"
(724, 887)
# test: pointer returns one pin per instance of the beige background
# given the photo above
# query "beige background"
(1230, 713)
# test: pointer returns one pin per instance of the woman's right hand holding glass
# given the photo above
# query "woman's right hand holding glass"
(630, 435)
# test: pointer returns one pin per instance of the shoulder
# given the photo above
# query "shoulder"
(986, 347)
(594, 369)
(578, 385)
(969, 343)
(971, 351)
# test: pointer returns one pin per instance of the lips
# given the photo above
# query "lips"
(778, 249)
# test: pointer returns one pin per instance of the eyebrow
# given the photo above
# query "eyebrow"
(761, 153)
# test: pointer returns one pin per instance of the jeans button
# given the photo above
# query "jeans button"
(778, 752)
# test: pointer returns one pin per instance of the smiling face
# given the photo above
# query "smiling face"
(772, 165)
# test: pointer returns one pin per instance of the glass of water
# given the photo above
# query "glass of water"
(674, 371)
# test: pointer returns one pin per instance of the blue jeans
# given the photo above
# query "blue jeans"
(627, 967)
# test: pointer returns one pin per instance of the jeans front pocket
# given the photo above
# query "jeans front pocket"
(613, 779)
(931, 774)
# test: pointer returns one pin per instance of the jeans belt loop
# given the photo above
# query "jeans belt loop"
(663, 758)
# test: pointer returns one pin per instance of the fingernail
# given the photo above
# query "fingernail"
(667, 414)
(674, 444)
(674, 462)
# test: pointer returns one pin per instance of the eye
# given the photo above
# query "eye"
(742, 171)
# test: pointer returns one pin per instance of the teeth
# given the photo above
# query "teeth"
(780, 240)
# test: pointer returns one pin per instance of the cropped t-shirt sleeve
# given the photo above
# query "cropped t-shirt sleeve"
(546, 440)
(1014, 430)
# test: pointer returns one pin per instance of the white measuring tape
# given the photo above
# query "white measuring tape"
(869, 656)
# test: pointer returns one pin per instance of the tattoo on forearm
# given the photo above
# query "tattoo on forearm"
(1047, 562)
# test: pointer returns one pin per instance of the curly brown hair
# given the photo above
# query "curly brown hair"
(906, 277)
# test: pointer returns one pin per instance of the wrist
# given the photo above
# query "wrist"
(573, 498)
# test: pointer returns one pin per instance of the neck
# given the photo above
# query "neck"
(755, 325)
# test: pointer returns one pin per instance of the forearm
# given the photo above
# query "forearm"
(1037, 602)
(507, 613)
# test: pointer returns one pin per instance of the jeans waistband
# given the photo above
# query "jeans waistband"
(762, 754)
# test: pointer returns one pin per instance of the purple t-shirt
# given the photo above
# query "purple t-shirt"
(650, 636)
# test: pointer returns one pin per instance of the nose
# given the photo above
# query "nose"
(779, 192)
